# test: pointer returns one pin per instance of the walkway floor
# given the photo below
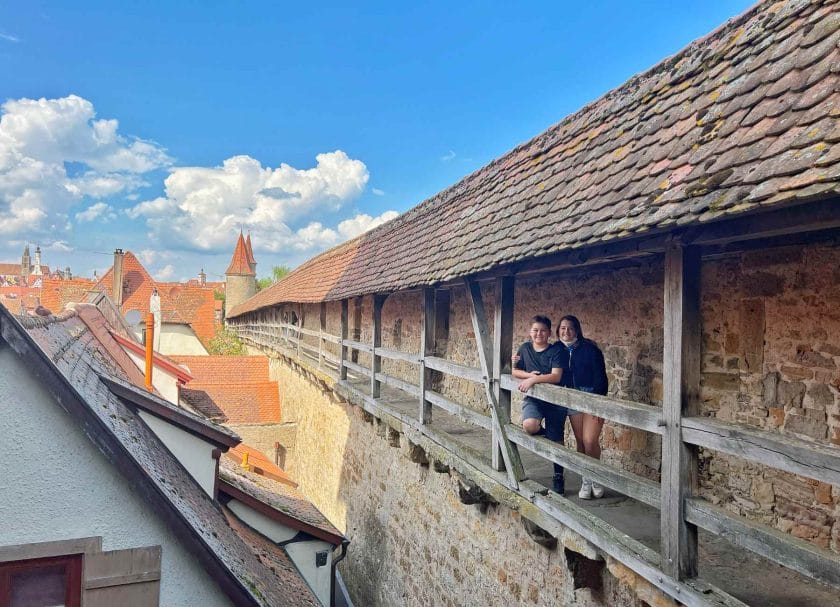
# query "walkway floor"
(744, 575)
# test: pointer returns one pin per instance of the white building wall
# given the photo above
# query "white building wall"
(180, 339)
(56, 485)
(164, 382)
(195, 454)
(301, 553)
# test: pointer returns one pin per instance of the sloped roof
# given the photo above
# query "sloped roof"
(249, 249)
(10, 269)
(70, 362)
(281, 497)
(237, 385)
(57, 293)
(259, 463)
(239, 263)
(741, 120)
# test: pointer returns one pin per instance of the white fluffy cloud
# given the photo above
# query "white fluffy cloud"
(203, 206)
(167, 272)
(99, 210)
(55, 154)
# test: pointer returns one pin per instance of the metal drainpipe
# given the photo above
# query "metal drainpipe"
(344, 544)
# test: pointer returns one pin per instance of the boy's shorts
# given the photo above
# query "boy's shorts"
(534, 408)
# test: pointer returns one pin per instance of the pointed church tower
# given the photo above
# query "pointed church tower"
(37, 269)
(240, 277)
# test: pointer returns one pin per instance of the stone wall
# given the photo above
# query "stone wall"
(412, 541)
(770, 359)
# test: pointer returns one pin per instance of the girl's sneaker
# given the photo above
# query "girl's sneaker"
(585, 492)
(597, 491)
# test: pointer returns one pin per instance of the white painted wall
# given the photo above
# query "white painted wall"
(301, 553)
(180, 339)
(165, 383)
(195, 454)
(55, 484)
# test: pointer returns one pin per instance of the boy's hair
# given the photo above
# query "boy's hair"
(543, 320)
(575, 323)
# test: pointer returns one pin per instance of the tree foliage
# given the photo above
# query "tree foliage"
(277, 274)
(226, 343)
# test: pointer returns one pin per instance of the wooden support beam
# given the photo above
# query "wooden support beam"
(301, 319)
(502, 350)
(376, 341)
(510, 454)
(427, 348)
(441, 342)
(357, 326)
(322, 328)
(342, 369)
(681, 387)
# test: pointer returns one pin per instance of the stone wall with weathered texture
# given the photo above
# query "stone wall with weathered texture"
(412, 541)
(771, 359)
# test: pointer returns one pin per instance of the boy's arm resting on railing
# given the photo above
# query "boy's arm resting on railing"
(536, 378)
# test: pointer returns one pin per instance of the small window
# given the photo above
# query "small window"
(47, 582)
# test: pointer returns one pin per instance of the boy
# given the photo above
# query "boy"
(538, 362)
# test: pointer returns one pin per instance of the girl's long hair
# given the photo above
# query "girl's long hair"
(575, 324)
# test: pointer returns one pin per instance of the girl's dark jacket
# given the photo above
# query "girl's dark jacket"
(587, 370)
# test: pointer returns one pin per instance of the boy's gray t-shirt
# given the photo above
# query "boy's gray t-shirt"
(551, 358)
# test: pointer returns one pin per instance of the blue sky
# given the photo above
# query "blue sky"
(165, 126)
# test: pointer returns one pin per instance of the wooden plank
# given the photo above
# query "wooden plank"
(395, 382)
(632, 553)
(357, 326)
(357, 345)
(322, 318)
(427, 349)
(376, 341)
(333, 339)
(357, 368)
(510, 455)
(786, 550)
(788, 453)
(342, 369)
(397, 355)
(461, 412)
(472, 374)
(38, 550)
(123, 577)
(626, 483)
(681, 389)
(625, 412)
(502, 350)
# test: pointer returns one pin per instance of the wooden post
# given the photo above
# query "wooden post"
(301, 319)
(427, 348)
(357, 327)
(342, 371)
(502, 350)
(510, 454)
(321, 330)
(376, 342)
(681, 385)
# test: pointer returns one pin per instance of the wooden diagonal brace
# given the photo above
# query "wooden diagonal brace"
(510, 454)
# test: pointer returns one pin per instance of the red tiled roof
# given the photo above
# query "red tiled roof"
(249, 249)
(239, 262)
(741, 120)
(56, 293)
(244, 402)
(223, 369)
(259, 464)
(9, 269)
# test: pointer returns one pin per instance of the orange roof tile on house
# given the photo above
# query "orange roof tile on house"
(240, 263)
(180, 304)
(224, 369)
(259, 464)
(238, 385)
(57, 293)
(244, 402)
(9, 269)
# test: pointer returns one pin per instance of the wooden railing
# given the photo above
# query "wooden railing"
(678, 422)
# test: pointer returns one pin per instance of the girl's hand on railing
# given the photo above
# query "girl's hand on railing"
(515, 359)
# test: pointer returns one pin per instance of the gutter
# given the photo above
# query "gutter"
(333, 585)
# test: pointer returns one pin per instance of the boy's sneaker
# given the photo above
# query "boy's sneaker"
(585, 492)
(597, 491)
(559, 484)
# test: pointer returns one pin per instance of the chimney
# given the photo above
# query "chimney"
(202, 278)
(118, 278)
(67, 274)
(150, 340)
(154, 310)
